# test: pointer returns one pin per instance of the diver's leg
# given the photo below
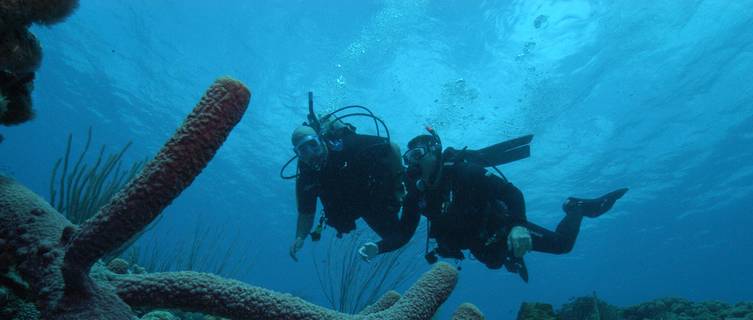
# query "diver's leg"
(563, 238)
(559, 241)
(493, 255)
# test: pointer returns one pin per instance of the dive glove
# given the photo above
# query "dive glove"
(519, 241)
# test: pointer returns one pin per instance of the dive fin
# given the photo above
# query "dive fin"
(523, 271)
(501, 153)
(517, 265)
(593, 208)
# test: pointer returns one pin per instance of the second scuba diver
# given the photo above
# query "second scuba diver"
(355, 176)
(471, 208)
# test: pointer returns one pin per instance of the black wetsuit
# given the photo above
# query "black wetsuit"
(359, 181)
(473, 209)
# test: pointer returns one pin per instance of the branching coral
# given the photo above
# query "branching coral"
(55, 257)
(78, 193)
(348, 284)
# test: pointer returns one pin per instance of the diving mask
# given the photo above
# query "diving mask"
(413, 156)
(312, 151)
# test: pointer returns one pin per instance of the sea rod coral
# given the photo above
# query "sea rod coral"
(54, 257)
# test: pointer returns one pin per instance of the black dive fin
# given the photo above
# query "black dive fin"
(517, 265)
(501, 153)
(523, 271)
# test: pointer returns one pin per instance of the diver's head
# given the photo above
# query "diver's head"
(309, 147)
(423, 157)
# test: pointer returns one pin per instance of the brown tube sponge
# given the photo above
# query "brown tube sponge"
(207, 293)
(55, 257)
(172, 170)
(385, 302)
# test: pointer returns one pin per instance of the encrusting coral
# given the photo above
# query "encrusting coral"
(20, 52)
(55, 257)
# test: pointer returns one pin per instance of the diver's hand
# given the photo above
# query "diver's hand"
(297, 245)
(519, 241)
(368, 251)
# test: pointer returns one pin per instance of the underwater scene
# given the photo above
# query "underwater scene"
(376, 159)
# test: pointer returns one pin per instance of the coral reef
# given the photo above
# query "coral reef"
(159, 315)
(591, 308)
(118, 266)
(467, 311)
(588, 308)
(13, 307)
(20, 52)
(56, 259)
(536, 311)
(678, 308)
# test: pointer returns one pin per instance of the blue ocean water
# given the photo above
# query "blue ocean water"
(654, 95)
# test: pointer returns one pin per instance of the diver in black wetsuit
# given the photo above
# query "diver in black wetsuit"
(471, 208)
(354, 176)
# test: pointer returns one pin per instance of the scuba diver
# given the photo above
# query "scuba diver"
(354, 176)
(471, 208)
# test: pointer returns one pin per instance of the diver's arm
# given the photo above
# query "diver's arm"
(306, 202)
(305, 194)
(398, 171)
(305, 223)
(407, 227)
